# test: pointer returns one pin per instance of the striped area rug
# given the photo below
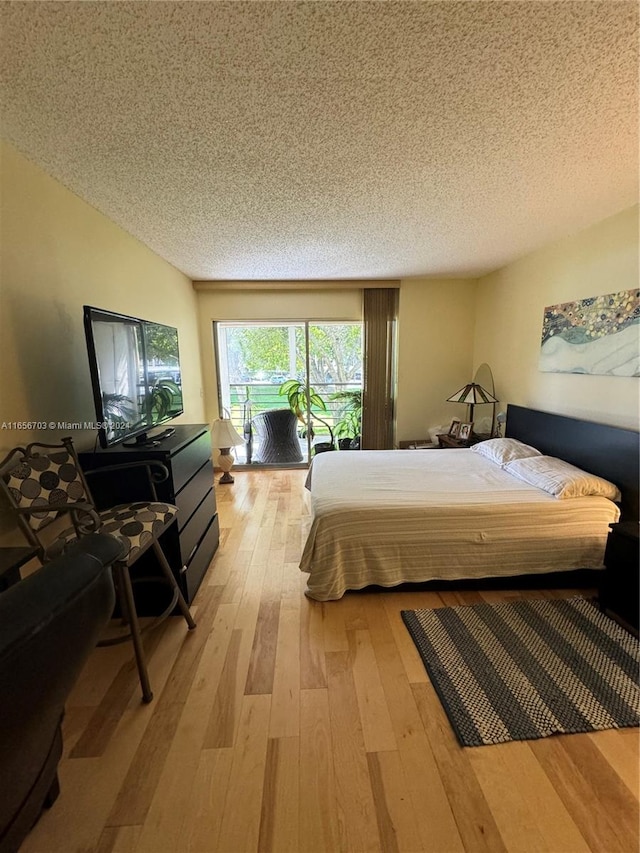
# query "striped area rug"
(528, 669)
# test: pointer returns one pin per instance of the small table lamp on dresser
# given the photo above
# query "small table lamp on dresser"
(224, 437)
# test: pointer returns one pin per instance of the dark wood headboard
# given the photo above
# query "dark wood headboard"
(607, 451)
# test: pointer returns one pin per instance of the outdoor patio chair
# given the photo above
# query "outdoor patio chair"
(275, 437)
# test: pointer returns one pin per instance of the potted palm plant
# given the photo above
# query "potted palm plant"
(349, 427)
(301, 399)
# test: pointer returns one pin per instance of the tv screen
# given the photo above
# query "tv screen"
(135, 374)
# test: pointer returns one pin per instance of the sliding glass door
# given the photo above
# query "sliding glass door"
(318, 364)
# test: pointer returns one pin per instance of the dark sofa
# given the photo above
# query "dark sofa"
(49, 623)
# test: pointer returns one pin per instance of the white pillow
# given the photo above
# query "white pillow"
(503, 450)
(560, 478)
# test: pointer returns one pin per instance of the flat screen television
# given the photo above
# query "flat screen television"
(135, 375)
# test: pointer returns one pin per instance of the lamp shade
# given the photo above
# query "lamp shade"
(473, 394)
(223, 434)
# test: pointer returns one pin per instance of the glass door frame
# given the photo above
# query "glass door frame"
(225, 404)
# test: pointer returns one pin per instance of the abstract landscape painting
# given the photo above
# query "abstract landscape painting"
(598, 335)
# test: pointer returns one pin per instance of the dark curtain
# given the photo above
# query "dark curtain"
(380, 314)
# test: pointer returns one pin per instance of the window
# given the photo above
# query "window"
(254, 359)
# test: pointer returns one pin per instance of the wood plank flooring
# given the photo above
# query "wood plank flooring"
(282, 724)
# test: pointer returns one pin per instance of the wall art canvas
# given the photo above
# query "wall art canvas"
(599, 335)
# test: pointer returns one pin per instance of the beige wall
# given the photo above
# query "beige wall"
(510, 304)
(58, 253)
(435, 352)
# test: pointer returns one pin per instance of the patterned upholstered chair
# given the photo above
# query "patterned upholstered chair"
(275, 437)
(42, 481)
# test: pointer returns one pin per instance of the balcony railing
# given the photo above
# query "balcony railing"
(247, 399)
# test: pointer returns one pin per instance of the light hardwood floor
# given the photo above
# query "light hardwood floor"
(282, 724)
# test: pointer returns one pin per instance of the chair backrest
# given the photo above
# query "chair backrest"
(275, 431)
(31, 478)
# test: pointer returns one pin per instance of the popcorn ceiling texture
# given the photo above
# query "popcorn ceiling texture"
(319, 140)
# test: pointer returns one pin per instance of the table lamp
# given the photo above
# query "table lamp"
(224, 437)
(473, 395)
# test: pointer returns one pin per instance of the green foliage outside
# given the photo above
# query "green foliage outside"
(260, 358)
(260, 353)
(335, 353)
(162, 343)
(256, 352)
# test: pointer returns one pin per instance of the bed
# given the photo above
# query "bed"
(390, 517)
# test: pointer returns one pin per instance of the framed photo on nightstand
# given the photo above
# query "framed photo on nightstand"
(454, 429)
(464, 433)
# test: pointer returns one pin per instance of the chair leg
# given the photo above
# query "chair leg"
(166, 568)
(131, 616)
(52, 793)
(121, 599)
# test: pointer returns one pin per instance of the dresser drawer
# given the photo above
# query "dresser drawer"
(189, 497)
(190, 458)
(192, 532)
(196, 569)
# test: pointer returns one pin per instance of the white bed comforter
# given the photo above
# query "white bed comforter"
(391, 516)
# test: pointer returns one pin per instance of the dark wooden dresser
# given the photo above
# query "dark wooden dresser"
(191, 542)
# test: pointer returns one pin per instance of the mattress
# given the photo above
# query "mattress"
(389, 517)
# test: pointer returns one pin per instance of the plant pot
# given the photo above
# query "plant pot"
(321, 447)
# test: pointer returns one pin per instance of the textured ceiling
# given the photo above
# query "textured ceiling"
(323, 140)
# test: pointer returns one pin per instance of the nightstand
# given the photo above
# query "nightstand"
(619, 588)
(416, 444)
(445, 440)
